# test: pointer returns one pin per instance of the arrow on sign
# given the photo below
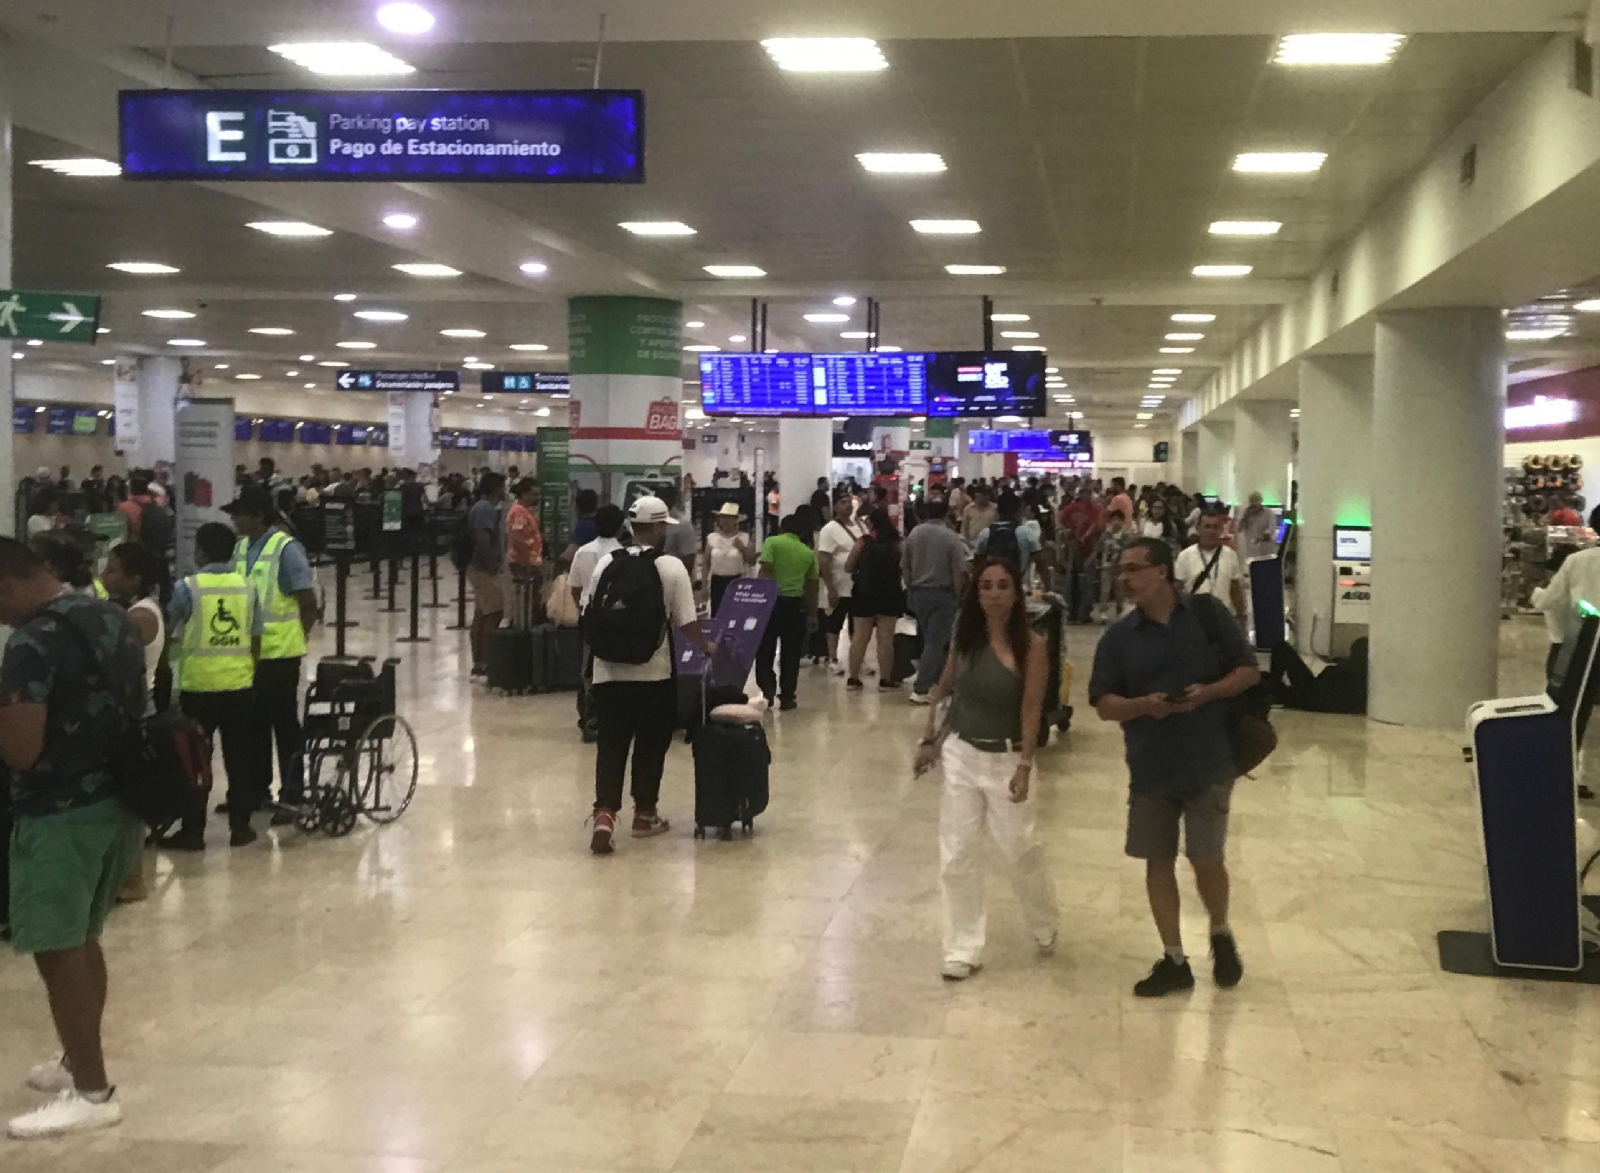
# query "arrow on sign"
(69, 316)
(346, 380)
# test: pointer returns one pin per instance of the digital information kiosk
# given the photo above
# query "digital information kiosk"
(1352, 587)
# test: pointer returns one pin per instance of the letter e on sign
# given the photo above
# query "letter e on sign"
(662, 421)
(219, 133)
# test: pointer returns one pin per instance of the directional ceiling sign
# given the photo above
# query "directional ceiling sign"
(429, 382)
(49, 317)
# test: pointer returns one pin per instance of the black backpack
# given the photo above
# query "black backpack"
(627, 618)
(1004, 543)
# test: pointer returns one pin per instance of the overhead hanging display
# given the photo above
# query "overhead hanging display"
(440, 136)
(872, 383)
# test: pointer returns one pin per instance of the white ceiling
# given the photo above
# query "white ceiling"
(1093, 164)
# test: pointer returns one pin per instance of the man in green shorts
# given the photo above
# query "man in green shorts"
(786, 558)
(71, 670)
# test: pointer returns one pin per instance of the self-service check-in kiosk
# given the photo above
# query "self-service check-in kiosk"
(1352, 587)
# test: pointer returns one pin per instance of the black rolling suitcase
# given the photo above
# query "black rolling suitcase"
(509, 661)
(730, 778)
(544, 657)
(566, 658)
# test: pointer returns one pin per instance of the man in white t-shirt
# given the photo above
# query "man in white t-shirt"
(834, 544)
(636, 704)
(607, 525)
(1210, 568)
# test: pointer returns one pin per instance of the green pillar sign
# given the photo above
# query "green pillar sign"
(555, 489)
(625, 336)
(49, 317)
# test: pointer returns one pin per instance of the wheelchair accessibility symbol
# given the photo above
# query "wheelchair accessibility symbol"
(224, 626)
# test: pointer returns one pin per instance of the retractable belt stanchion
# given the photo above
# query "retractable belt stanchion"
(339, 540)
(416, 599)
(433, 577)
(394, 578)
(377, 574)
(341, 578)
(461, 623)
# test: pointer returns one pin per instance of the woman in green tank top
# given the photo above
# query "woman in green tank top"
(995, 677)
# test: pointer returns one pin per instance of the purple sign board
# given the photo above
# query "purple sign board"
(737, 630)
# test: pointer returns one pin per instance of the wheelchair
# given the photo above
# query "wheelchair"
(360, 754)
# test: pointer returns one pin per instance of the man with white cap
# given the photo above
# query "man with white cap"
(631, 600)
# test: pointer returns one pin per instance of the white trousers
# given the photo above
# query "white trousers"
(977, 793)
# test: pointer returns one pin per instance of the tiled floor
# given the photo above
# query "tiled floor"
(470, 990)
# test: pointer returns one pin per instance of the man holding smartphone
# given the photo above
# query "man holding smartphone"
(1164, 672)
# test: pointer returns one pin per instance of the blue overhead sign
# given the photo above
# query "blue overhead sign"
(435, 382)
(441, 136)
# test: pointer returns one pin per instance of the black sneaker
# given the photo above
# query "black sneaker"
(854, 685)
(1226, 967)
(242, 837)
(182, 841)
(788, 705)
(1168, 977)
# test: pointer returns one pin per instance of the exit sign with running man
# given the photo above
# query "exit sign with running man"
(49, 317)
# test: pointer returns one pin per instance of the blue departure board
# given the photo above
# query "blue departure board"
(873, 384)
(756, 384)
(1032, 442)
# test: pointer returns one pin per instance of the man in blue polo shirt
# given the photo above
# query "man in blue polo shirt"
(1165, 671)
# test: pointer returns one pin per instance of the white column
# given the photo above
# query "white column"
(1335, 474)
(1438, 428)
(1190, 441)
(1216, 459)
(805, 452)
(1263, 446)
(160, 378)
(8, 479)
(969, 464)
(411, 430)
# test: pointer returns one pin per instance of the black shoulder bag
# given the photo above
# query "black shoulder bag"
(1250, 730)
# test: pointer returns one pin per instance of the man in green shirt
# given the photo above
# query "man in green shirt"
(786, 559)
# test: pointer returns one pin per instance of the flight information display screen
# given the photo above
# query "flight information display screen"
(1032, 442)
(864, 383)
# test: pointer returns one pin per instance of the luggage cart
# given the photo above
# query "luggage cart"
(360, 754)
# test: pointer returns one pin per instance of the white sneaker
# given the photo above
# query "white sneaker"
(50, 1076)
(958, 971)
(920, 698)
(837, 668)
(69, 1112)
(1047, 945)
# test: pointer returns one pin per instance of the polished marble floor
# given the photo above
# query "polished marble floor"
(469, 990)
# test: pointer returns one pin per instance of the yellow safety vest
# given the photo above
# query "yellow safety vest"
(99, 589)
(283, 638)
(216, 640)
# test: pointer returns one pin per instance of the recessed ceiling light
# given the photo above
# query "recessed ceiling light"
(344, 297)
(901, 162)
(463, 332)
(142, 268)
(1177, 350)
(529, 346)
(1077, 415)
(1185, 337)
(185, 342)
(479, 366)
(175, 315)
(822, 319)
(108, 362)
(1223, 270)
(343, 58)
(272, 331)
(1025, 347)
(946, 227)
(290, 374)
(243, 375)
(1531, 334)
(1137, 426)
(17, 354)
(856, 335)
(380, 315)
(738, 338)
(1009, 318)
(735, 271)
(308, 358)
(470, 358)
(825, 54)
(356, 345)
(79, 168)
(102, 329)
(974, 270)
(426, 269)
(332, 362)
(221, 366)
(534, 268)
(1052, 370)
(309, 386)
(35, 342)
(694, 325)
(1144, 415)
(542, 412)
(1338, 48)
(1280, 162)
(844, 299)
(888, 350)
(1592, 306)
(1245, 227)
(1019, 333)
(406, 19)
(1167, 371)
(657, 227)
(288, 228)
(701, 347)
(1197, 319)
(402, 220)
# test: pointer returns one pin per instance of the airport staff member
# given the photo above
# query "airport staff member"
(220, 622)
(277, 567)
